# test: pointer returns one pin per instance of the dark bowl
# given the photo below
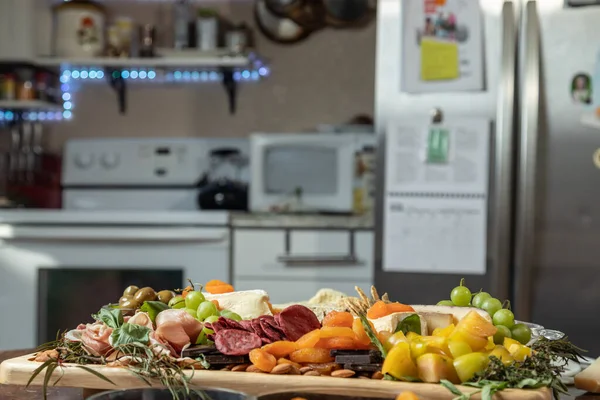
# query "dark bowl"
(165, 394)
(317, 396)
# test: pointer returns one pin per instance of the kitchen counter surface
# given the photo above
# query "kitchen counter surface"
(15, 392)
(260, 220)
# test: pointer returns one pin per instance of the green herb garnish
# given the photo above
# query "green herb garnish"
(412, 323)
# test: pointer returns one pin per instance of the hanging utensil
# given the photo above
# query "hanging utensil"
(276, 28)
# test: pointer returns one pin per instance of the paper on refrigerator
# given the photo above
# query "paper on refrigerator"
(435, 214)
(442, 46)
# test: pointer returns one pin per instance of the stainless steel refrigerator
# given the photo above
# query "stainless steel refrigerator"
(543, 239)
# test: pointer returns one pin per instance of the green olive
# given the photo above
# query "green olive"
(131, 290)
(124, 299)
(145, 294)
(130, 304)
(165, 296)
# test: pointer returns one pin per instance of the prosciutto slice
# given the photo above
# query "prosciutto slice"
(95, 338)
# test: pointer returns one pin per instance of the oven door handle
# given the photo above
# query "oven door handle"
(325, 259)
(78, 234)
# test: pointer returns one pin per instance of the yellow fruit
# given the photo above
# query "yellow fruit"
(399, 363)
(394, 339)
(475, 343)
(503, 354)
(458, 348)
(412, 336)
(474, 324)
(435, 367)
(490, 344)
(468, 365)
(444, 332)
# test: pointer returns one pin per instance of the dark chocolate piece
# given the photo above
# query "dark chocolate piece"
(195, 351)
(218, 359)
(363, 367)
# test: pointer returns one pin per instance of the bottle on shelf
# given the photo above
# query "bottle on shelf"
(182, 13)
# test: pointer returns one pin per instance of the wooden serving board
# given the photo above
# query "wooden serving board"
(17, 371)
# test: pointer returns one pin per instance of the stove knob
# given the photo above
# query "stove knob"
(84, 161)
(110, 160)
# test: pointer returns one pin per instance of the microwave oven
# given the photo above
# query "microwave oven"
(314, 171)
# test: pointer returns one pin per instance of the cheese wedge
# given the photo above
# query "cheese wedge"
(437, 320)
(458, 313)
(390, 322)
(589, 378)
(248, 304)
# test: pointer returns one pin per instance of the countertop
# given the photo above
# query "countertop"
(317, 221)
(14, 392)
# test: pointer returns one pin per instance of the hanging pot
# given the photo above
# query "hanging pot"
(276, 28)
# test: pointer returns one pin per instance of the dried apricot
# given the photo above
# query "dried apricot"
(215, 282)
(337, 318)
(359, 332)
(313, 355)
(262, 360)
(339, 342)
(186, 291)
(281, 348)
(381, 309)
(333, 331)
(407, 395)
(216, 303)
(219, 289)
(286, 361)
(309, 340)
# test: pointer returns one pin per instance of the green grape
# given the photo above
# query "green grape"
(190, 311)
(521, 333)
(479, 298)
(205, 310)
(501, 333)
(491, 305)
(177, 302)
(504, 317)
(202, 339)
(445, 303)
(230, 315)
(193, 299)
(461, 296)
(210, 319)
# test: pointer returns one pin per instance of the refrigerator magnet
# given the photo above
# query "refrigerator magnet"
(581, 89)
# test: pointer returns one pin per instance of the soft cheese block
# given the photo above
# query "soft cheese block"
(248, 304)
(458, 313)
(589, 378)
(436, 320)
(390, 322)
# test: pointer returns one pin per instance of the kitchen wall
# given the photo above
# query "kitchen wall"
(326, 79)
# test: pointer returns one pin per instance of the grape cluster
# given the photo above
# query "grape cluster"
(203, 310)
(503, 318)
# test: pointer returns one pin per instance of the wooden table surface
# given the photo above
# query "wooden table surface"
(13, 392)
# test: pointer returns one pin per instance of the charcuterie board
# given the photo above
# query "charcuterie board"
(17, 371)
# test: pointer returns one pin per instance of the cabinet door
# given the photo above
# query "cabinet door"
(311, 255)
(287, 291)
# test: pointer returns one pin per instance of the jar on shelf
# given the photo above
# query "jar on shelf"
(42, 82)
(79, 29)
(25, 85)
(7, 86)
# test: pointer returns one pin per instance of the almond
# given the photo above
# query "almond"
(343, 373)
(295, 370)
(304, 370)
(377, 375)
(253, 368)
(282, 369)
(312, 373)
(240, 368)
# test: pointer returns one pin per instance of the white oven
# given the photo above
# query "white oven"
(317, 169)
(58, 267)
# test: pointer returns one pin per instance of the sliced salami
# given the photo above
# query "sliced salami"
(216, 326)
(234, 342)
(247, 325)
(231, 323)
(296, 321)
(269, 332)
(257, 328)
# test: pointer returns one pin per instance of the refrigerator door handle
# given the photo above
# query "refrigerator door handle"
(500, 234)
(526, 181)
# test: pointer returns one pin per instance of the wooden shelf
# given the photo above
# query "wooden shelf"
(165, 59)
(29, 105)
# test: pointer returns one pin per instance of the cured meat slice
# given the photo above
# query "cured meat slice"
(269, 332)
(256, 328)
(247, 325)
(231, 323)
(296, 321)
(234, 342)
